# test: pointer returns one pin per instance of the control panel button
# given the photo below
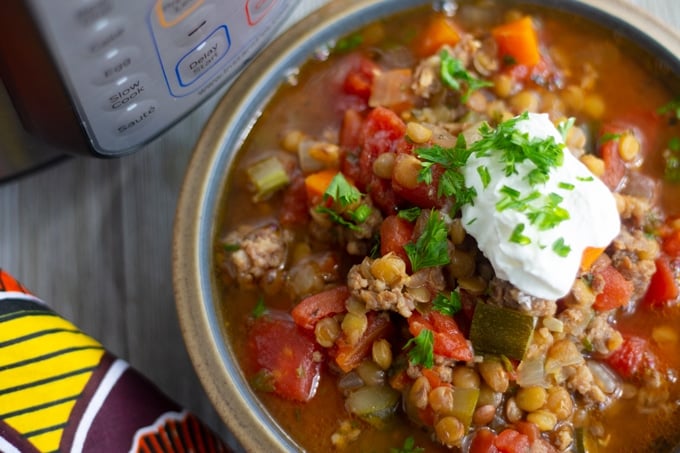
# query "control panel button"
(103, 35)
(115, 64)
(171, 12)
(135, 117)
(126, 91)
(203, 57)
(87, 12)
(257, 9)
(196, 26)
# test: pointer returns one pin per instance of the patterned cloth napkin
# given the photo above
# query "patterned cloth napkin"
(61, 391)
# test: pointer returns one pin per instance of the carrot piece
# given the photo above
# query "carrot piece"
(439, 31)
(317, 183)
(663, 288)
(349, 356)
(518, 40)
(590, 254)
(318, 306)
(617, 290)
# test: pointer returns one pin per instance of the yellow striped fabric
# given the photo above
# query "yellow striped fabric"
(45, 363)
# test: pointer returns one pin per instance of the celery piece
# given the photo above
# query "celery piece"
(499, 330)
(464, 404)
(267, 176)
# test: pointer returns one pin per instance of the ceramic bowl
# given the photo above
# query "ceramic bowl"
(208, 174)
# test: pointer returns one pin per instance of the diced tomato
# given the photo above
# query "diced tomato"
(382, 195)
(395, 232)
(294, 209)
(617, 290)
(512, 441)
(360, 78)
(632, 357)
(663, 287)
(614, 166)
(350, 129)
(448, 339)
(434, 378)
(671, 243)
(483, 442)
(286, 354)
(382, 129)
(529, 429)
(312, 309)
(349, 356)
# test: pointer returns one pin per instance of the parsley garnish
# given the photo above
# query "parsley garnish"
(610, 137)
(453, 72)
(343, 195)
(431, 247)
(422, 352)
(260, 308)
(231, 246)
(517, 237)
(564, 126)
(560, 248)
(452, 181)
(550, 214)
(349, 43)
(410, 214)
(672, 107)
(585, 178)
(447, 305)
(484, 175)
(408, 447)
(566, 186)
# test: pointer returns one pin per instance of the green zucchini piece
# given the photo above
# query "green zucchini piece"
(501, 331)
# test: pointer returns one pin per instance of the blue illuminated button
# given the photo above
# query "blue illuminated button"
(203, 57)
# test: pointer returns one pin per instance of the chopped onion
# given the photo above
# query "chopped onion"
(531, 372)
(373, 404)
(604, 377)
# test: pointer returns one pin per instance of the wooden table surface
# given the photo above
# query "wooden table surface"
(93, 238)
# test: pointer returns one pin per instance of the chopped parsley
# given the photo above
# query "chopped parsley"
(484, 175)
(516, 147)
(260, 308)
(447, 305)
(585, 178)
(560, 248)
(566, 186)
(564, 126)
(453, 72)
(550, 214)
(231, 246)
(408, 447)
(610, 137)
(344, 195)
(422, 351)
(410, 214)
(517, 237)
(431, 247)
(452, 181)
(672, 107)
(348, 43)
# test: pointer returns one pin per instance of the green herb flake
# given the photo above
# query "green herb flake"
(453, 72)
(484, 175)
(585, 178)
(566, 186)
(517, 237)
(260, 308)
(231, 246)
(410, 214)
(610, 137)
(408, 447)
(361, 213)
(422, 349)
(672, 107)
(674, 144)
(550, 214)
(447, 305)
(564, 126)
(560, 248)
(341, 191)
(263, 381)
(348, 43)
(431, 247)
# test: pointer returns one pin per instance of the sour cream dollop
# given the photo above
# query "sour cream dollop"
(534, 266)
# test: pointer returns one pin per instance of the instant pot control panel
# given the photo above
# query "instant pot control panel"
(135, 67)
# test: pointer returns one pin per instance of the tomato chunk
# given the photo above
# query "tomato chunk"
(284, 354)
(360, 78)
(395, 232)
(449, 341)
(483, 442)
(632, 357)
(663, 287)
(349, 356)
(617, 290)
(318, 306)
(511, 441)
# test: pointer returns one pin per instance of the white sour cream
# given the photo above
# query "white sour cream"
(535, 268)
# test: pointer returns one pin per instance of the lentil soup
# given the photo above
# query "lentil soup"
(462, 233)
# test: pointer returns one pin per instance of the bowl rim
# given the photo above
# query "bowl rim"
(192, 264)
